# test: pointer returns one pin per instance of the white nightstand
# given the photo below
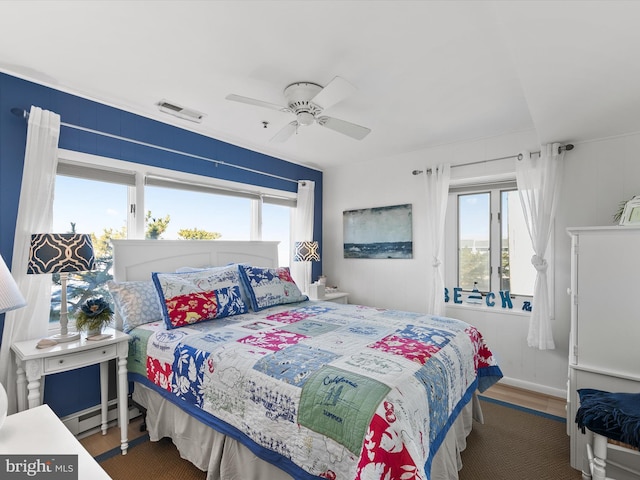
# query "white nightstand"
(40, 433)
(34, 364)
(336, 297)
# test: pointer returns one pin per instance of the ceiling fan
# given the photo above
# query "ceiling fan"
(307, 100)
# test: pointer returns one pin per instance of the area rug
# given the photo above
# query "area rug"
(514, 443)
(150, 461)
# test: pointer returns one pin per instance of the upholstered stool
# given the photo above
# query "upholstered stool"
(608, 416)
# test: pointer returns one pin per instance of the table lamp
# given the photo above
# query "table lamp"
(61, 253)
(307, 251)
(10, 299)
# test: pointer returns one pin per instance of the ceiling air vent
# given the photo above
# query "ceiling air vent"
(180, 112)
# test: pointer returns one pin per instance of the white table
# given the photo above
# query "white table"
(39, 432)
(336, 297)
(34, 364)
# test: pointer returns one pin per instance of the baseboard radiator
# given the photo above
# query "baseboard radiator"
(89, 421)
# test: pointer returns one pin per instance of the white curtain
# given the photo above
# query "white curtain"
(302, 230)
(35, 212)
(539, 179)
(437, 188)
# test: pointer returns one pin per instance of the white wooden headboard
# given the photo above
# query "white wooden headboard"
(137, 259)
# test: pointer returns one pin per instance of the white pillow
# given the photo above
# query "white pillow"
(137, 303)
(193, 269)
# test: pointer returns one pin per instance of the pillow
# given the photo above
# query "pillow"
(193, 297)
(194, 269)
(268, 287)
(243, 291)
(136, 303)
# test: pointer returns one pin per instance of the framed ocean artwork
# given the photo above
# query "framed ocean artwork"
(379, 232)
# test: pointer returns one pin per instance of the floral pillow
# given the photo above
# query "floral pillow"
(136, 303)
(193, 297)
(232, 267)
(268, 287)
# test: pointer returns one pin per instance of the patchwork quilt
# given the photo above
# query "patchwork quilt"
(321, 389)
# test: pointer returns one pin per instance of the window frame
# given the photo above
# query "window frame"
(491, 236)
(452, 238)
(499, 260)
(134, 176)
(67, 159)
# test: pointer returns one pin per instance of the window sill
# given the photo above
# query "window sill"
(497, 309)
(54, 328)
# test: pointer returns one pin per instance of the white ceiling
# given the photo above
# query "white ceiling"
(427, 72)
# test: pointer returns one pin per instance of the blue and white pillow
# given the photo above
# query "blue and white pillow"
(268, 287)
(136, 303)
(230, 269)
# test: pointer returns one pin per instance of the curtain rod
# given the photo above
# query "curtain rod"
(24, 114)
(519, 156)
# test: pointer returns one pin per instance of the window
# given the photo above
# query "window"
(85, 205)
(516, 272)
(494, 249)
(276, 225)
(474, 253)
(192, 214)
(114, 199)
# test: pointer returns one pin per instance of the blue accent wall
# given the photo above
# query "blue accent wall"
(63, 391)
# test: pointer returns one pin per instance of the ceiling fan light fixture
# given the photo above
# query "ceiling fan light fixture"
(305, 118)
(307, 101)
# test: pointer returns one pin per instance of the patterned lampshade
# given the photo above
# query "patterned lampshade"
(306, 252)
(60, 252)
(10, 296)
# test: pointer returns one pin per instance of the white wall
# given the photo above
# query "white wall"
(597, 176)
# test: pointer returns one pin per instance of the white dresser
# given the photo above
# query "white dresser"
(604, 349)
(39, 433)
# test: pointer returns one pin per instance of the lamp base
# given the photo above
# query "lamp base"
(68, 337)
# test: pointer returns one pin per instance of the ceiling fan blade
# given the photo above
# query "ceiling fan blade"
(336, 90)
(259, 103)
(346, 128)
(284, 134)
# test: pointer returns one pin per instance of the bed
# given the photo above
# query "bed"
(251, 380)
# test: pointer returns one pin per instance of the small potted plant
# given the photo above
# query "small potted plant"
(94, 314)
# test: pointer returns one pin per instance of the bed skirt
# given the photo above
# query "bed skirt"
(224, 458)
